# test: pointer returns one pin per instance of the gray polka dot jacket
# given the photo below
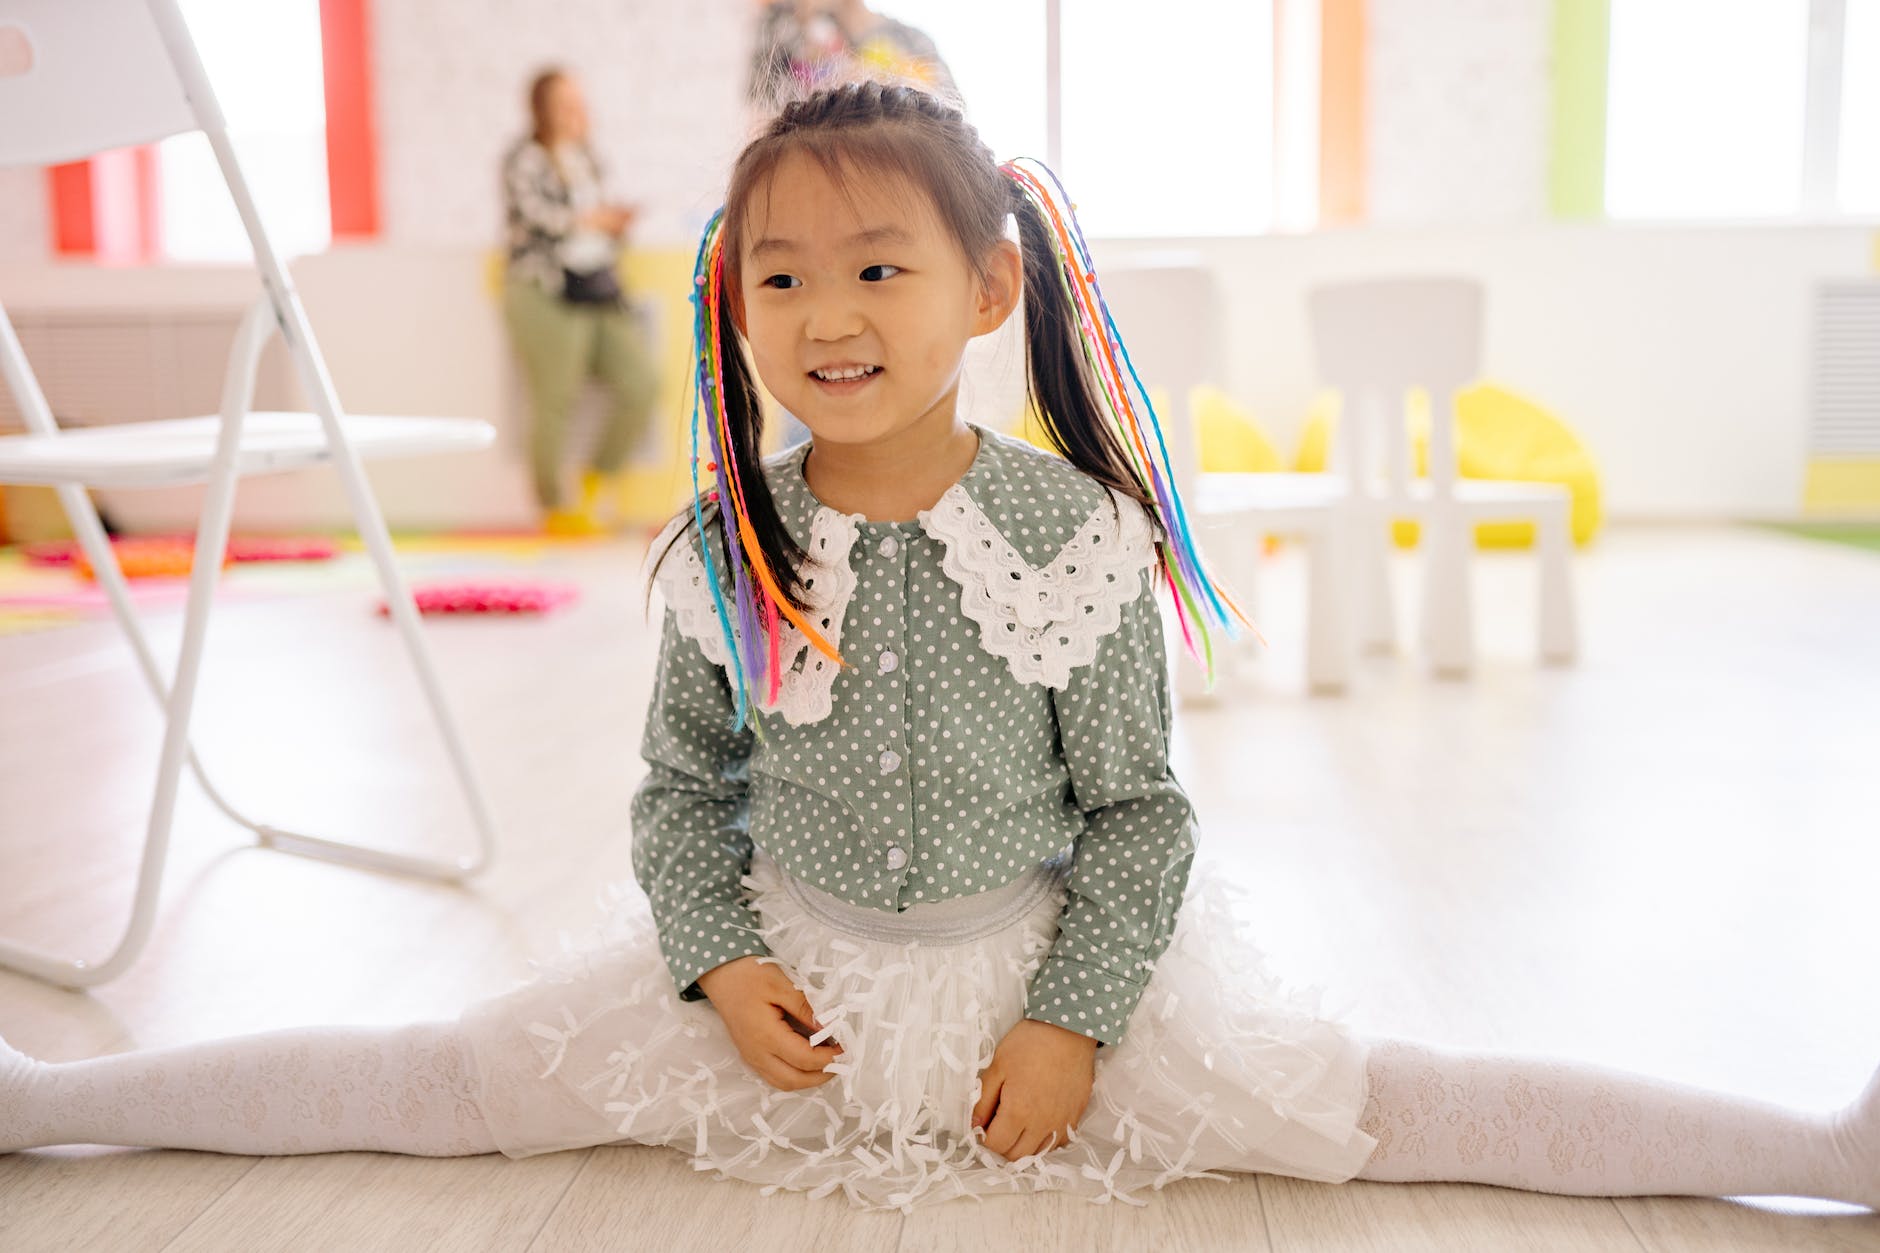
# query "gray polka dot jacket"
(1005, 697)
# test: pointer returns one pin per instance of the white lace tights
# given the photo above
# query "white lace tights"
(1541, 1124)
(1549, 1125)
(304, 1090)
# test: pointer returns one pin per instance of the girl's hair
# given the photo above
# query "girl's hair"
(1075, 382)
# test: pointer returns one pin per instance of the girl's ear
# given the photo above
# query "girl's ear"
(1000, 289)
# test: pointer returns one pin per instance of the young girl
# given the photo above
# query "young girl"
(922, 923)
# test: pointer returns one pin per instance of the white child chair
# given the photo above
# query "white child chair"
(1167, 306)
(1374, 341)
(79, 77)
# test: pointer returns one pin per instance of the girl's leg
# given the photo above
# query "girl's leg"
(306, 1090)
(1550, 1125)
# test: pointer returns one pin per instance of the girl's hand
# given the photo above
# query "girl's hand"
(770, 1021)
(1036, 1088)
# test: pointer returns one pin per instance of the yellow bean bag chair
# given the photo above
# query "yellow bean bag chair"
(1229, 440)
(1499, 435)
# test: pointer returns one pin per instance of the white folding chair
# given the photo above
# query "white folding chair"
(84, 76)
(1374, 341)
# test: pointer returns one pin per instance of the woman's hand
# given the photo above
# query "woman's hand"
(1036, 1088)
(608, 219)
(770, 1021)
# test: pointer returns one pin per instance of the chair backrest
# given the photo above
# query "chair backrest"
(1376, 340)
(1167, 310)
(83, 76)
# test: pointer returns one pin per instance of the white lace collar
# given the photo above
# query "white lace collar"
(1042, 621)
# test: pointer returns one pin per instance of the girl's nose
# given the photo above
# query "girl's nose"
(831, 319)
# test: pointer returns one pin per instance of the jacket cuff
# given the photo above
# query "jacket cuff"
(704, 938)
(1085, 999)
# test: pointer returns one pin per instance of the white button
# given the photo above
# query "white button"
(888, 662)
(889, 546)
(897, 857)
(890, 761)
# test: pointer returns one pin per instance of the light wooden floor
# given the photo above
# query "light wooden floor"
(1663, 859)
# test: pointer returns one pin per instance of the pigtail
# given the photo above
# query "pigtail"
(766, 588)
(1094, 407)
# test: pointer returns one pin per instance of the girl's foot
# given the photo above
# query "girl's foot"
(18, 1075)
(1855, 1134)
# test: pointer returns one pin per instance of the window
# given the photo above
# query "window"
(1705, 108)
(1713, 109)
(1859, 160)
(264, 62)
(1167, 116)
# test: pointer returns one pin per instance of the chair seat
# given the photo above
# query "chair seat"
(182, 450)
(1496, 498)
(1267, 492)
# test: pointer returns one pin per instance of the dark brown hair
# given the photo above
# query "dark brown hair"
(867, 130)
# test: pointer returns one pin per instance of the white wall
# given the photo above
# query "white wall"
(1459, 98)
(25, 215)
(664, 82)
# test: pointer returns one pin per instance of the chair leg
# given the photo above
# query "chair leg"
(1559, 627)
(404, 612)
(211, 540)
(1376, 617)
(1328, 610)
(1448, 627)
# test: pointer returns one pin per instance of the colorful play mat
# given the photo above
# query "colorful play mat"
(48, 585)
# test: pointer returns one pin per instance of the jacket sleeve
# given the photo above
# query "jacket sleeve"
(529, 183)
(690, 843)
(1132, 860)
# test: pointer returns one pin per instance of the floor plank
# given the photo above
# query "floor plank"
(635, 1197)
(383, 1203)
(54, 1200)
(1190, 1216)
(1682, 1224)
(1437, 1218)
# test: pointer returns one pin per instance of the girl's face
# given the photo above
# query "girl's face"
(858, 303)
(567, 112)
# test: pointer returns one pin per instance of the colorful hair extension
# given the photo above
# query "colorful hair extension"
(1128, 408)
(758, 605)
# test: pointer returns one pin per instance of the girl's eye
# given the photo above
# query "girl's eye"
(783, 281)
(875, 273)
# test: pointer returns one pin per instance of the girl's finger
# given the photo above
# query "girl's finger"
(780, 1074)
(794, 1003)
(785, 1043)
(1002, 1134)
(989, 1084)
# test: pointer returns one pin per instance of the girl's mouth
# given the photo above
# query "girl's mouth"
(844, 380)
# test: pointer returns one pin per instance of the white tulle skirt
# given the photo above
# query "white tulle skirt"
(1223, 1069)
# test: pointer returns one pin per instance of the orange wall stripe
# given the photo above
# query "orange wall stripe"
(70, 188)
(1342, 108)
(352, 155)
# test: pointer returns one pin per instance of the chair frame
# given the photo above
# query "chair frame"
(277, 310)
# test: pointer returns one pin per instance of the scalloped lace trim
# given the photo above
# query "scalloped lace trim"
(806, 693)
(1044, 622)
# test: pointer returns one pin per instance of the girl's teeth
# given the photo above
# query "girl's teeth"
(842, 376)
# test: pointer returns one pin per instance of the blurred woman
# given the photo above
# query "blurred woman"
(562, 298)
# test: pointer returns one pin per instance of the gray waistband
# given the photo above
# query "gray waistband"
(952, 921)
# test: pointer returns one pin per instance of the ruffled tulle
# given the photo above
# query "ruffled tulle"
(1223, 1068)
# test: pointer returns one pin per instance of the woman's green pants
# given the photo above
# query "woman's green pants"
(562, 345)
